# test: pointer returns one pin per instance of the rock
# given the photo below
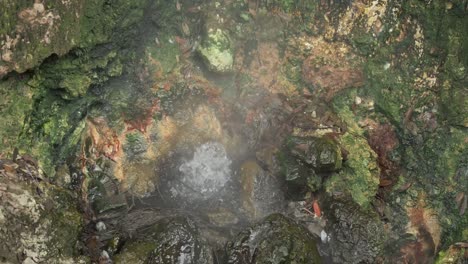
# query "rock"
(39, 222)
(171, 240)
(277, 239)
(217, 51)
(356, 235)
(222, 217)
(322, 154)
(260, 195)
(298, 176)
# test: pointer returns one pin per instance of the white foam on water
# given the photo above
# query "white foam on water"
(208, 171)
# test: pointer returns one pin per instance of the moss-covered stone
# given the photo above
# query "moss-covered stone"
(217, 51)
(134, 145)
(52, 130)
(277, 239)
(456, 254)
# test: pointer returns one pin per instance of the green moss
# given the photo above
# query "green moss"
(8, 18)
(75, 85)
(15, 104)
(75, 73)
(52, 129)
(454, 92)
(104, 20)
(360, 174)
(454, 255)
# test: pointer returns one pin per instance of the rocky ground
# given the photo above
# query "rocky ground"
(233, 131)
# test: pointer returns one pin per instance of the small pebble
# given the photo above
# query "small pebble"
(104, 254)
(324, 237)
(358, 100)
(386, 66)
(100, 226)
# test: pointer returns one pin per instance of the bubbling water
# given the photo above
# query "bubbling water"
(205, 174)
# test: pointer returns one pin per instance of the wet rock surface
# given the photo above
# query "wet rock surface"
(276, 239)
(205, 174)
(172, 240)
(261, 191)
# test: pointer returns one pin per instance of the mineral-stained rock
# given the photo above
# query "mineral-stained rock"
(277, 239)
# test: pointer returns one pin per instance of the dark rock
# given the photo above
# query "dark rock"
(277, 239)
(298, 176)
(357, 236)
(322, 154)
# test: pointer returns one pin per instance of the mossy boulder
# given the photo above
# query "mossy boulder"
(171, 240)
(217, 51)
(76, 72)
(277, 239)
